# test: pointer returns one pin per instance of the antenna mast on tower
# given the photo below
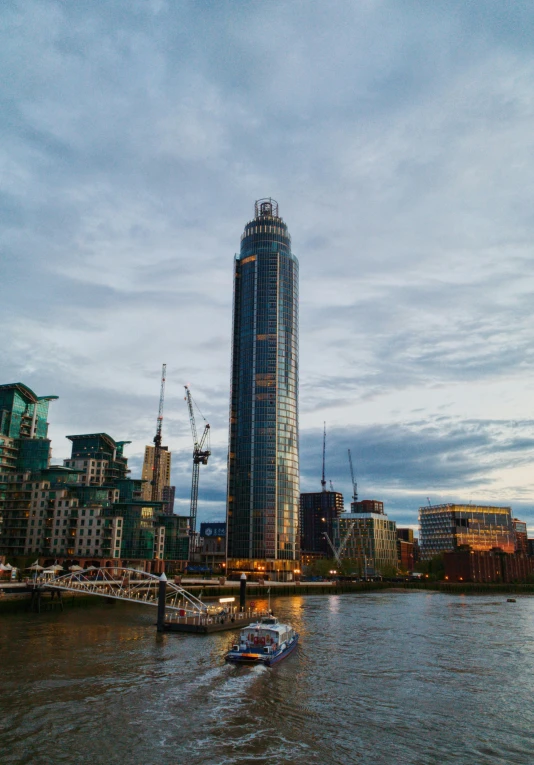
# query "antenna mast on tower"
(323, 479)
(354, 484)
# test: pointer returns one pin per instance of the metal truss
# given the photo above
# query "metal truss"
(129, 585)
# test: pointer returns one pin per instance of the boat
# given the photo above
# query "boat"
(263, 642)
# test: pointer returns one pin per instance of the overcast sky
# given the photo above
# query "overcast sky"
(398, 140)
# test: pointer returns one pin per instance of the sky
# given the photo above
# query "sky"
(397, 139)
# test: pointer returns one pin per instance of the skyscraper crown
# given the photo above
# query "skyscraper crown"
(266, 208)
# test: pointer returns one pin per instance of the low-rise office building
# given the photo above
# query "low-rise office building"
(212, 545)
(445, 528)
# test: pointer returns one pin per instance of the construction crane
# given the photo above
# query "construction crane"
(331, 486)
(354, 484)
(323, 480)
(156, 469)
(201, 452)
(338, 551)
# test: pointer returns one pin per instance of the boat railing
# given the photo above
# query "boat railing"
(183, 616)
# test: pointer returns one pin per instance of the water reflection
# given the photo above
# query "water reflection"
(379, 678)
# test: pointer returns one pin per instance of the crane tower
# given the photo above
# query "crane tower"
(323, 479)
(201, 452)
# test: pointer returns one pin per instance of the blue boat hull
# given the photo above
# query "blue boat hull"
(268, 661)
(282, 655)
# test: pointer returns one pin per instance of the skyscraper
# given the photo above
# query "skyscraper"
(147, 473)
(263, 460)
(319, 514)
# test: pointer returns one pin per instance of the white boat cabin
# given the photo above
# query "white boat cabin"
(265, 636)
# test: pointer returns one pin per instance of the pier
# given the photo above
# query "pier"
(178, 610)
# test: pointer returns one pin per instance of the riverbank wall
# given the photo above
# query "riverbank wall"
(21, 601)
(16, 604)
(457, 588)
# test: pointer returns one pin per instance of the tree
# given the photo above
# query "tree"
(322, 567)
(433, 569)
(388, 571)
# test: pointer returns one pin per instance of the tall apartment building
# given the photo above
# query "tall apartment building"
(263, 458)
(445, 528)
(319, 514)
(24, 442)
(86, 511)
(167, 497)
(23, 430)
(147, 473)
(372, 542)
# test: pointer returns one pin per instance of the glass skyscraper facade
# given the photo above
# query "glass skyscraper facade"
(263, 461)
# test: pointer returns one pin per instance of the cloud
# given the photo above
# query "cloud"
(398, 141)
(448, 459)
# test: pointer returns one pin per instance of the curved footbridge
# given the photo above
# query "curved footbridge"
(178, 609)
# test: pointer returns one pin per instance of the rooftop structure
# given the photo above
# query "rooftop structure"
(98, 457)
(23, 414)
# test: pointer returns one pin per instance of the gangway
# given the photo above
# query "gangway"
(126, 584)
(178, 610)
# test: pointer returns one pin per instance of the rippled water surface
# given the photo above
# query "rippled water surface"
(380, 678)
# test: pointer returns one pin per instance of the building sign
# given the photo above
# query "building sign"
(213, 529)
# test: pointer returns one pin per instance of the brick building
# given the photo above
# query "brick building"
(474, 566)
(405, 549)
(521, 537)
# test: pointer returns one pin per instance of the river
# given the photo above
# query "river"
(388, 678)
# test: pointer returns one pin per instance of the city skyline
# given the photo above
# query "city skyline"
(397, 140)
